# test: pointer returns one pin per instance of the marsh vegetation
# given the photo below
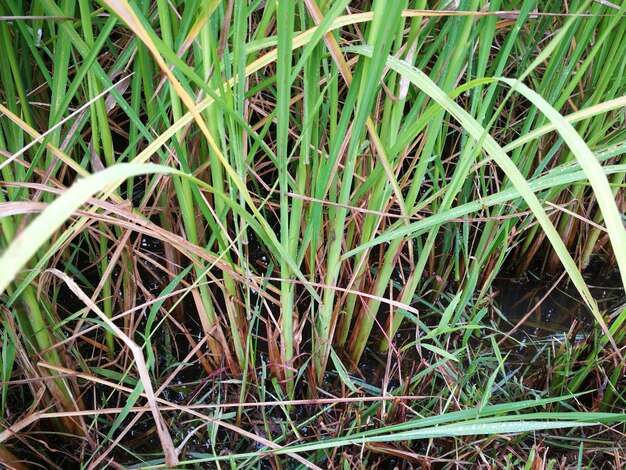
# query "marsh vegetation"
(250, 234)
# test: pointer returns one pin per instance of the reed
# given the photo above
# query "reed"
(215, 217)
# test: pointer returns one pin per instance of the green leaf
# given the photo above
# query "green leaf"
(26, 244)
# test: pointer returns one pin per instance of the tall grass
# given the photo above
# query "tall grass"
(231, 210)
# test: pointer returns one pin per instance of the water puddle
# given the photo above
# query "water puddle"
(540, 308)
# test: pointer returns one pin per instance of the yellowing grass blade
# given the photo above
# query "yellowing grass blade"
(592, 168)
(493, 149)
(26, 244)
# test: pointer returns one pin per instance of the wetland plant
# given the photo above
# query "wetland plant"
(265, 234)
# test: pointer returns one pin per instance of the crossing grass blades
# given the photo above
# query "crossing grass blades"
(257, 234)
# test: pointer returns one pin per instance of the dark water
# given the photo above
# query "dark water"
(540, 307)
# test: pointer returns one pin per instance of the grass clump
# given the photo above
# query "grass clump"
(265, 234)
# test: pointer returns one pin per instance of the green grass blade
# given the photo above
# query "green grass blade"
(27, 243)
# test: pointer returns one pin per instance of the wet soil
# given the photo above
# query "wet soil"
(531, 308)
